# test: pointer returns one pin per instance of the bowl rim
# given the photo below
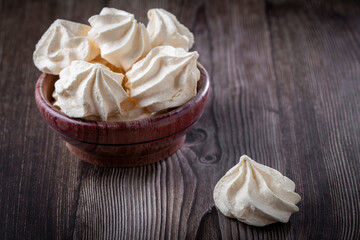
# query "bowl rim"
(141, 123)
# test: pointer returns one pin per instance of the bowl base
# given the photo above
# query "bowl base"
(128, 161)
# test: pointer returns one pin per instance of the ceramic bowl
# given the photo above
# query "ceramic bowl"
(123, 144)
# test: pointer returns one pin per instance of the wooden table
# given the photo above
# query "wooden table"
(286, 91)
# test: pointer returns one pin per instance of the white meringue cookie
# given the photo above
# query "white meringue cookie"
(164, 29)
(63, 42)
(256, 194)
(121, 39)
(167, 77)
(87, 90)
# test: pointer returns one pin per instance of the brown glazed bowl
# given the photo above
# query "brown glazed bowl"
(123, 144)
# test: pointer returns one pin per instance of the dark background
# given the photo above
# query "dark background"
(286, 92)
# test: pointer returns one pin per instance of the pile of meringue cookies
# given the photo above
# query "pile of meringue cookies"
(117, 69)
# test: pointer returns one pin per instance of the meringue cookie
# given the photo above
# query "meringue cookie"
(167, 77)
(122, 40)
(87, 90)
(63, 42)
(164, 29)
(256, 194)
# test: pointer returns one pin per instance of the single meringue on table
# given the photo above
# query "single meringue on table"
(256, 194)
(63, 42)
(120, 37)
(166, 78)
(165, 29)
(89, 91)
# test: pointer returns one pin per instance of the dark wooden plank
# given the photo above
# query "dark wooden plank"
(317, 71)
(285, 92)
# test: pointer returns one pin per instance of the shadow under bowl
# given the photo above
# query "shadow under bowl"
(123, 144)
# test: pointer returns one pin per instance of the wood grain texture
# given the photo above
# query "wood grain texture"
(285, 79)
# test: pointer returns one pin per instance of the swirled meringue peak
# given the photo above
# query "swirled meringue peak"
(165, 29)
(166, 78)
(63, 42)
(89, 91)
(121, 39)
(256, 194)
